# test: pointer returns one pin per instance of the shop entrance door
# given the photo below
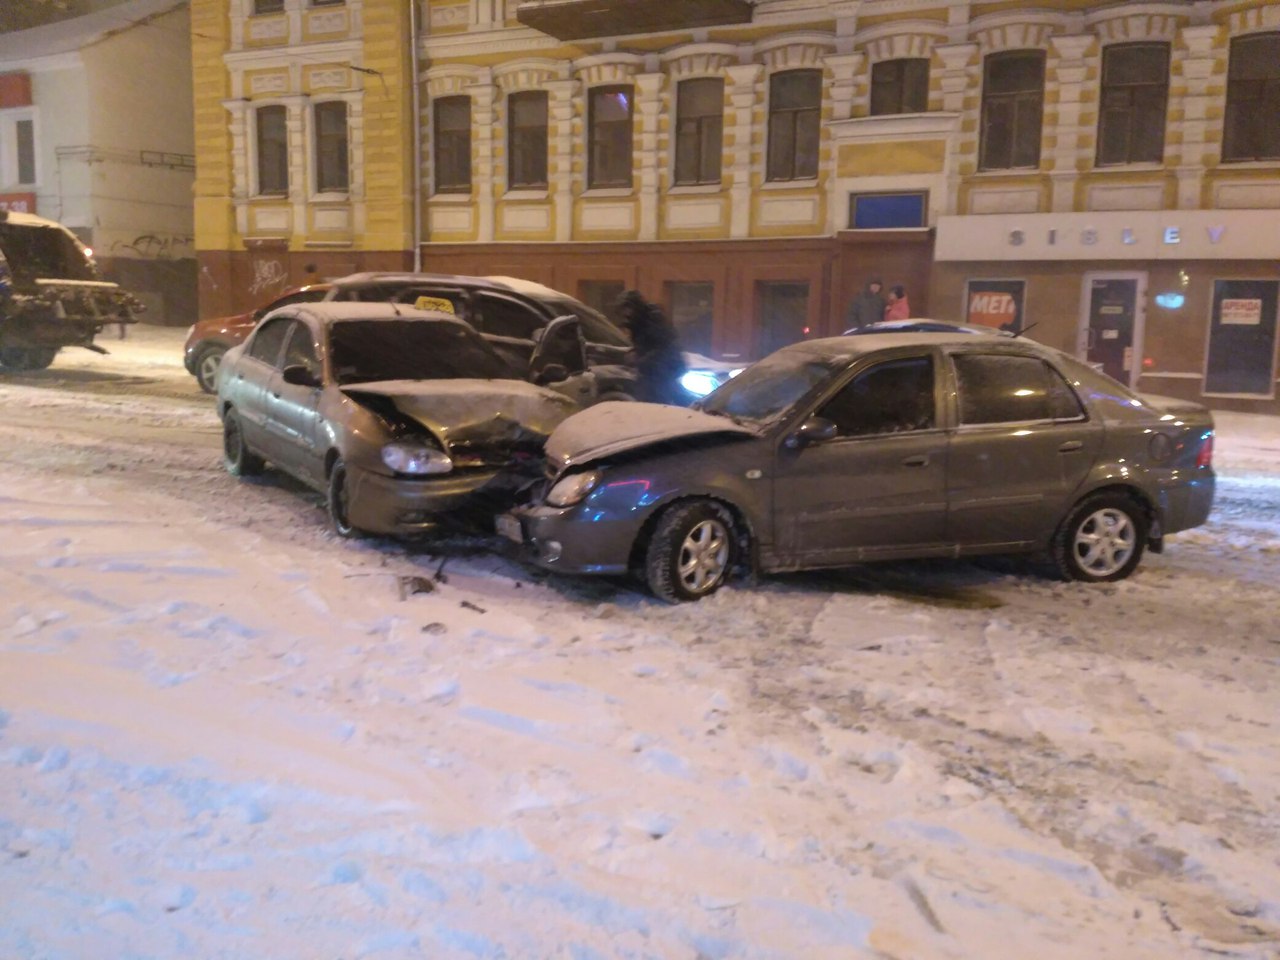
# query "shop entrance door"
(1111, 321)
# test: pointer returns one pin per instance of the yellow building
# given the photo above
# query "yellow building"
(1107, 172)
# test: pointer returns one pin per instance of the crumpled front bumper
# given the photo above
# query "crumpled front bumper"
(573, 540)
(378, 503)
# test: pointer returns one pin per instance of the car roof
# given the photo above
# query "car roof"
(336, 311)
(847, 348)
(507, 284)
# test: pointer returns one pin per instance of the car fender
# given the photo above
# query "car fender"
(1111, 475)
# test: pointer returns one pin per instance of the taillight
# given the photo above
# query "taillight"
(1205, 457)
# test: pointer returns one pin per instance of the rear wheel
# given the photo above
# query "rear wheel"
(1102, 540)
(239, 460)
(27, 358)
(207, 363)
(692, 551)
(339, 500)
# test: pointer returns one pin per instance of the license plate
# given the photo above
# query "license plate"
(509, 527)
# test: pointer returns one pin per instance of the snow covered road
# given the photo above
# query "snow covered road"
(226, 734)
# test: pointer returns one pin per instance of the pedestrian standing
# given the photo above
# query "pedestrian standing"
(655, 350)
(867, 307)
(897, 308)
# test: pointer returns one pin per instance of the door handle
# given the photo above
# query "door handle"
(1071, 446)
(920, 460)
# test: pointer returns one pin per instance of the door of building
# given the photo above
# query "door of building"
(1111, 318)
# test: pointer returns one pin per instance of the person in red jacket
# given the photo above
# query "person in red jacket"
(897, 307)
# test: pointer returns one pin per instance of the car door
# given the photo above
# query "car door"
(877, 488)
(1022, 446)
(511, 326)
(250, 378)
(561, 345)
(293, 409)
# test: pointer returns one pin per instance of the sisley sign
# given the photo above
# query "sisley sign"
(1137, 235)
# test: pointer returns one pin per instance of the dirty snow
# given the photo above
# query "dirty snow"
(226, 734)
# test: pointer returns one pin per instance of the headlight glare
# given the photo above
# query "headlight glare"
(415, 458)
(573, 488)
(699, 382)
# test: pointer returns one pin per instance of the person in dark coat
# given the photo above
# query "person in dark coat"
(867, 307)
(655, 350)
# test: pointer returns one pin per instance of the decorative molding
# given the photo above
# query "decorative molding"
(694, 214)
(261, 31)
(788, 211)
(453, 79)
(792, 51)
(1265, 16)
(608, 216)
(450, 219)
(1238, 196)
(526, 219)
(604, 68)
(699, 60)
(1126, 22)
(533, 73)
(328, 78)
(1005, 200)
(1017, 30)
(327, 21)
(266, 84)
(901, 38)
(452, 15)
(331, 219)
(271, 219)
(1129, 196)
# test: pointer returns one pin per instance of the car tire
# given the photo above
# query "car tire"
(692, 551)
(239, 460)
(337, 501)
(1102, 539)
(207, 363)
(27, 358)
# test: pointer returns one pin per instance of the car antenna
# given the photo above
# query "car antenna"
(1027, 329)
(396, 308)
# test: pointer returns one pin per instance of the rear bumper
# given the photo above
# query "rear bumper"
(570, 540)
(382, 504)
(1186, 503)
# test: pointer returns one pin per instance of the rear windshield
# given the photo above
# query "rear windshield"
(366, 351)
(46, 253)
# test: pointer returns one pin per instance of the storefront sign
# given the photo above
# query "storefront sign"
(1111, 235)
(1242, 312)
(995, 303)
(18, 202)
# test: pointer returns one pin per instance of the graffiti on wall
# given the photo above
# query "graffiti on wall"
(152, 246)
(267, 274)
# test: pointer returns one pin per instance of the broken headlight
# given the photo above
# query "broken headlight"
(573, 488)
(415, 458)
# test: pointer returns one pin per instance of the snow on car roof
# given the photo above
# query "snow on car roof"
(336, 311)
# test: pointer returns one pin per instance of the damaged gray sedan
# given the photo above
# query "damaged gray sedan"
(893, 446)
(401, 417)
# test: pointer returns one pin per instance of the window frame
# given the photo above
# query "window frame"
(266, 8)
(705, 126)
(1018, 99)
(322, 142)
(261, 187)
(1255, 109)
(902, 65)
(936, 417)
(287, 322)
(450, 139)
(1052, 376)
(794, 117)
(1132, 112)
(517, 135)
(596, 179)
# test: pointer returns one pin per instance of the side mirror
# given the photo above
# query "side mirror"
(814, 430)
(551, 373)
(299, 376)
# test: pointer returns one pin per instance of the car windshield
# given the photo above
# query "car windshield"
(364, 351)
(769, 388)
(596, 327)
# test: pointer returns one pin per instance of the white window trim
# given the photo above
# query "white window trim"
(251, 143)
(313, 151)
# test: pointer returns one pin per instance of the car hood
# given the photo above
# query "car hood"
(611, 428)
(470, 413)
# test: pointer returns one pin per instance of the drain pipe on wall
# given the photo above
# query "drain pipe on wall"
(416, 126)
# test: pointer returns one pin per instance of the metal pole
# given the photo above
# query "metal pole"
(415, 125)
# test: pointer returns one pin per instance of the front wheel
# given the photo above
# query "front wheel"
(27, 358)
(1102, 540)
(207, 364)
(239, 460)
(339, 500)
(692, 551)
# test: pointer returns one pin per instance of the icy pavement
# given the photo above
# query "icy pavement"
(225, 734)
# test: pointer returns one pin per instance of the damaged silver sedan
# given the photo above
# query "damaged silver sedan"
(401, 417)
(891, 446)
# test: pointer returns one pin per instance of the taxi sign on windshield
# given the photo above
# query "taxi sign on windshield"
(434, 303)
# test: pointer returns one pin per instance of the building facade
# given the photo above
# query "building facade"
(96, 133)
(1107, 172)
